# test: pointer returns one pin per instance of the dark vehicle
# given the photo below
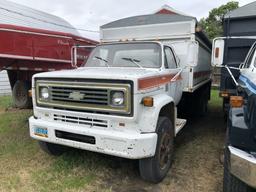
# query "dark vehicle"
(239, 24)
(240, 149)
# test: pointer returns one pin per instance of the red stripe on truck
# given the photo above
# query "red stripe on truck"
(155, 81)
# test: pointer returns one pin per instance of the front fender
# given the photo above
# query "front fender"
(149, 115)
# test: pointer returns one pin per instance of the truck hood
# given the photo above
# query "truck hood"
(100, 73)
(132, 74)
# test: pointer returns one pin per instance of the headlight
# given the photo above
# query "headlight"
(117, 98)
(44, 93)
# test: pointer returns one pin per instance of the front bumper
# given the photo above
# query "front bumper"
(243, 166)
(131, 145)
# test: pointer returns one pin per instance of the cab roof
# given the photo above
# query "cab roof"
(248, 10)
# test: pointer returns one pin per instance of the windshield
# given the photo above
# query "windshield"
(140, 55)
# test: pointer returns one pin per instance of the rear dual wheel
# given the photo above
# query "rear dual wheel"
(155, 168)
(202, 106)
(200, 103)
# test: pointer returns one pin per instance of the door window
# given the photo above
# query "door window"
(170, 62)
(254, 63)
(249, 60)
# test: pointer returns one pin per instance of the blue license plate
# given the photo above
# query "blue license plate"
(42, 132)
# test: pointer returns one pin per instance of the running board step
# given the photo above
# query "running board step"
(180, 123)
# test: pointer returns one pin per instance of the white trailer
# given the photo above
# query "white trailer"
(125, 100)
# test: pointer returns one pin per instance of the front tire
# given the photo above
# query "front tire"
(52, 149)
(155, 168)
(230, 182)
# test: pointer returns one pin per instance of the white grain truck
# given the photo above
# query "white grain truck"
(124, 100)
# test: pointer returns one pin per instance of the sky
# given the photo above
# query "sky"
(91, 14)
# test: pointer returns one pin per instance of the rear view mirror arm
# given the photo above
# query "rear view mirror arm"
(231, 74)
(178, 73)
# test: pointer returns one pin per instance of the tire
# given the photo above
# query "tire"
(202, 105)
(154, 169)
(224, 109)
(52, 149)
(20, 95)
(230, 182)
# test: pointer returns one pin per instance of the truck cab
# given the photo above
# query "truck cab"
(240, 152)
(124, 100)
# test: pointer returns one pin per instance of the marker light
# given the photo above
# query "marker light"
(148, 101)
(236, 101)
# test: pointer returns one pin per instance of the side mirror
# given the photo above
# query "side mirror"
(74, 57)
(218, 52)
(192, 57)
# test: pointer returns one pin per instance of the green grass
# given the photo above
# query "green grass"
(216, 101)
(24, 167)
(5, 102)
(71, 171)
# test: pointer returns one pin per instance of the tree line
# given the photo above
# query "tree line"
(212, 25)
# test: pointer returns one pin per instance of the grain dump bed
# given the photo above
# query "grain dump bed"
(33, 41)
(28, 34)
(191, 45)
(37, 49)
(241, 23)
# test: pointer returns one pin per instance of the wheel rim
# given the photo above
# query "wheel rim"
(165, 150)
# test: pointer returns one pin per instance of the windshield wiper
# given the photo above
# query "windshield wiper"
(135, 61)
(100, 58)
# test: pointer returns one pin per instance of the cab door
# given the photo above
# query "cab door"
(175, 86)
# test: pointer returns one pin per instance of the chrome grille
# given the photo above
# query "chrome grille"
(83, 96)
(81, 121)
(89, 96)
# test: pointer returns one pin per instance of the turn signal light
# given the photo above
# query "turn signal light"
(217, 52)
(236, 101)
(30, 93)
(148, 101)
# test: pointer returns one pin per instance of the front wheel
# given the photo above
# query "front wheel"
(155, 168)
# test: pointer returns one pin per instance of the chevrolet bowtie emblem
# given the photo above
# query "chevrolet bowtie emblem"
(76, 95)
